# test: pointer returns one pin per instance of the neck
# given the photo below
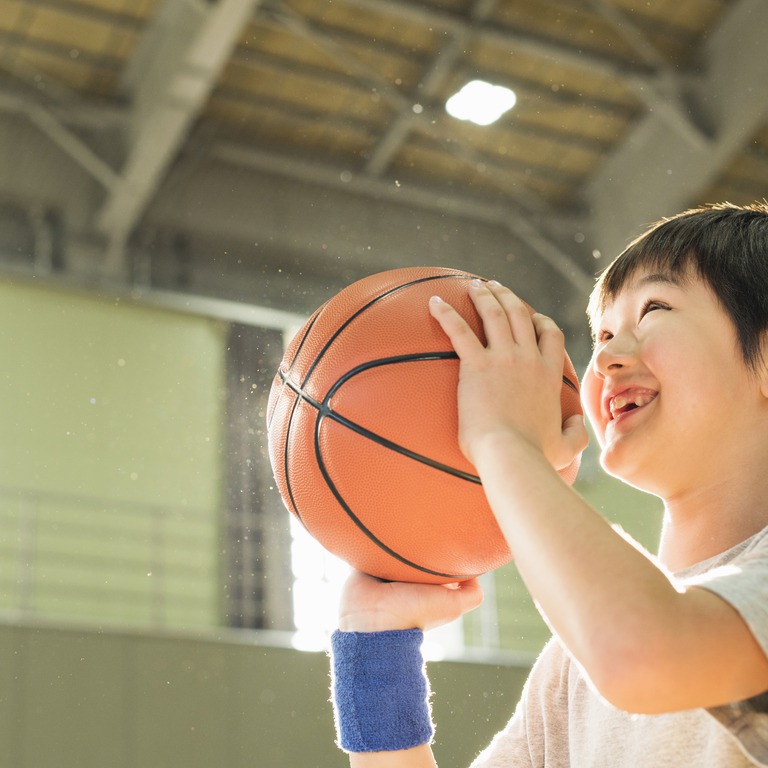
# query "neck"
(704, 524)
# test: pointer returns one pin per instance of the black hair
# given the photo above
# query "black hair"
(724, 245)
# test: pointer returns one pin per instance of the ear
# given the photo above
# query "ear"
(762, 372)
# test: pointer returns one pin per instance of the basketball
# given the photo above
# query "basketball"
(363, 432)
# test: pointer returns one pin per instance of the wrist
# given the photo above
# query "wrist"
(503, 445)
(380, 691)
(373, 621)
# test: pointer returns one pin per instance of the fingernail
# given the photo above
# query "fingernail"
(494, 283)
(476, 283)
(435, 300)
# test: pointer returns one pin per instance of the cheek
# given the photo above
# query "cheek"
(591, 394)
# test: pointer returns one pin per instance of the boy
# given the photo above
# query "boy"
(654, 661)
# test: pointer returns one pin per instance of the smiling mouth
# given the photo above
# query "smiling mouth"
(628, 401)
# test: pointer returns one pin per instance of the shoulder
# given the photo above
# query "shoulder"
(740, 577)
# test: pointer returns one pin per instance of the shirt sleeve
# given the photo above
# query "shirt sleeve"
(744, 585)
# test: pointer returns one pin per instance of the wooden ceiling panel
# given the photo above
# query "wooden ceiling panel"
(572, 24)
(296, 88)
(266, 38)
(511, 172)
(529, 147)
(15, 16)
(75, 73)
(136, 9)
(268, 127)
(63, 28)
(559, 77)
(361, 85)
(379, 30)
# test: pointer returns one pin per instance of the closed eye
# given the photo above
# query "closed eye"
(650, 305)
(602, 336)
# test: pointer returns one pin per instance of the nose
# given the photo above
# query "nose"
(618, 352)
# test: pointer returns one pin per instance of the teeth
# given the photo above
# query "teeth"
(618, 403)
(622, 401)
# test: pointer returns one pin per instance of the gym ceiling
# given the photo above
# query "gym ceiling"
(248, 158)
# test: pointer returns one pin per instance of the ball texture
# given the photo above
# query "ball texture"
(363, 432)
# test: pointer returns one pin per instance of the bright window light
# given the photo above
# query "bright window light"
(318, 577)
(480, 102)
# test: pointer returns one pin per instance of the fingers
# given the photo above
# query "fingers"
(505, 317)
(369, 604)
(575, 434)
(462, 337)
(574, 440)
(550, 340)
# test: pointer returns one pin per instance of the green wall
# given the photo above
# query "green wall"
(72, 698)
(110, 494)
(110, 474)
(104, 399)
(111, 469)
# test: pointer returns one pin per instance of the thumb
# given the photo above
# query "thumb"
(575, 433)
(574, 440)
(458, 598)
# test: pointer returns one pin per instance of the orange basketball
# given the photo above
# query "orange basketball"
(362, 424)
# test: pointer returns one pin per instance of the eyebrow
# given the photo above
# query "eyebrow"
(657, 277)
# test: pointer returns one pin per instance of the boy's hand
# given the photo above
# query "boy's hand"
(512, 384)
(369, 604)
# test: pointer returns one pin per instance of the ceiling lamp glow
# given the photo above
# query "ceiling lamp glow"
(480, 102)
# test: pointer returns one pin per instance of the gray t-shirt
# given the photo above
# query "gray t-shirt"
(561, 722)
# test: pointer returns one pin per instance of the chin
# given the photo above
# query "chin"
(623, 468)
(629, 473)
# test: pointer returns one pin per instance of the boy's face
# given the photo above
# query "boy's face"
(667, 391)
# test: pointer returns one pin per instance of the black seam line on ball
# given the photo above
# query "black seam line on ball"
(285, 458)
(285, 374)
(325, 411)
(310, 324)
(569, 383)
(359, 523)
(368, 306)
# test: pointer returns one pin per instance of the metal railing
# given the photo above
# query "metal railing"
(108, 560)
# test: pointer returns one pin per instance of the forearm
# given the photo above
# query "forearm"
(379, 686)
(418, 757)
(598, 591)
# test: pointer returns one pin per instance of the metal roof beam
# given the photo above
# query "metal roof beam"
(526, 199)
(651, 82)
(53, 127)
(431, 82)
(668, 94)
(657, 171)
(528, 228)
(170, 79)
(525, 205)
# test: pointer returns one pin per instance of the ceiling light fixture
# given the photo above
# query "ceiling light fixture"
(480, 102)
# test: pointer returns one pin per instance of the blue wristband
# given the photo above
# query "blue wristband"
(380, 690)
